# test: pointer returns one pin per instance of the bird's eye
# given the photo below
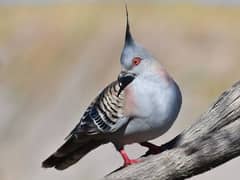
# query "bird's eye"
(136, 61)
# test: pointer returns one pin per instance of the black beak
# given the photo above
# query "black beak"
(124, 79)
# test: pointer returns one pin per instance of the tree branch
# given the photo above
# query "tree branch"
(212, 140)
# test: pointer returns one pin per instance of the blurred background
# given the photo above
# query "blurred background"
(55, 56)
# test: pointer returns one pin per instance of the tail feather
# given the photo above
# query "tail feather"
(69, 153)
(51, 161)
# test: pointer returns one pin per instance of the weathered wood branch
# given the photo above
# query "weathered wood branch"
(209, 142)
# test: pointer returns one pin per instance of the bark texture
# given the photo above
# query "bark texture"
(211, 141)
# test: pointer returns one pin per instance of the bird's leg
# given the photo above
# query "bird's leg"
(152, 148)
(127, 160)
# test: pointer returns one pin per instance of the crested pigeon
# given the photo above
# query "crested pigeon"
(140, 105)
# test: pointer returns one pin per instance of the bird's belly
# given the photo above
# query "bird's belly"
(156, 111)
(141, 130)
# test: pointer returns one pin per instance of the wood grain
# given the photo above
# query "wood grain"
(211, 141)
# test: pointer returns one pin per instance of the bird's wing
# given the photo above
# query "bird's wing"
(104, 115)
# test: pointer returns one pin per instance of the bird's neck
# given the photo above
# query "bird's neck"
(156, 72)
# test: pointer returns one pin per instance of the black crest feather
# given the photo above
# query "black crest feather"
(128, 36)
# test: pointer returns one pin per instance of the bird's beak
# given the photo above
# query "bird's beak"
(124, 78)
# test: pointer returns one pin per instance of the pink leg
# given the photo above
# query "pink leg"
(127, 160)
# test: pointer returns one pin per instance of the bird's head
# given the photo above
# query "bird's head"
(135, 59)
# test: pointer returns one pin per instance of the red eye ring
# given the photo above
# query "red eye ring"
(136, 61)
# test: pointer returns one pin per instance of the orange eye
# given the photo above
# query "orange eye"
(136, 61)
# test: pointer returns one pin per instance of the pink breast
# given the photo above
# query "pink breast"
(130, 103)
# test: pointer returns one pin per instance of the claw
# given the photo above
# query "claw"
(127, 160)
(130, 162)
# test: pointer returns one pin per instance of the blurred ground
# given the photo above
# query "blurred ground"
(55, 59)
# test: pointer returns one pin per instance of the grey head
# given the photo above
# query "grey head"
(132, 49)
(135, 59)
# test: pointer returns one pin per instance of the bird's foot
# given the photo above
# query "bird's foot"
(127, 160)
(126, 163)
(152, 148)
(130, 162)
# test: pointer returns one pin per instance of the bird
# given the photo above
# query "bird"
(140, 105)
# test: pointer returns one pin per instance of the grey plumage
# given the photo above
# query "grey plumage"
(103, 116)
(141, 105)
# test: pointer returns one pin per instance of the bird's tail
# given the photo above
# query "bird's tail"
(69, 153)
